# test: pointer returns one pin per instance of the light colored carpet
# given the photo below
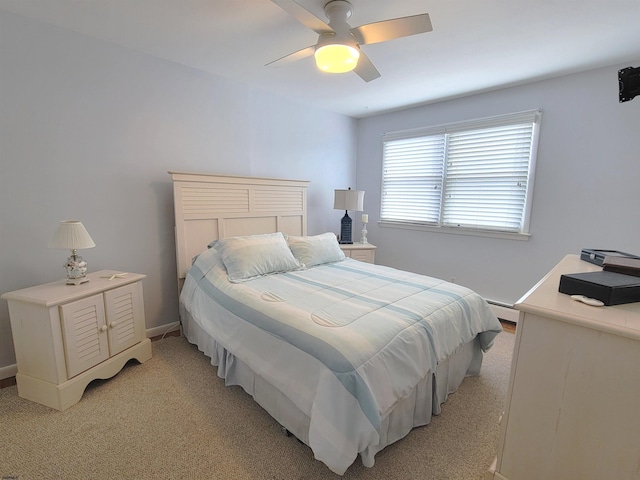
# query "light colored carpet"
(173, 418)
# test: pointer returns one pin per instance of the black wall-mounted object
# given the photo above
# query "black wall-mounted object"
(629, 82)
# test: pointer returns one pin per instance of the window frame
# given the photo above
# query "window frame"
(533, 116)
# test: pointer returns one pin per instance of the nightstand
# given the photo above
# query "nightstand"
(65, 336)
(365, 252)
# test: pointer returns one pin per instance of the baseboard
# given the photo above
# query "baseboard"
(505, 312)
(490, 475)
(162, 329)
(11, 370)
(8, 371)
(501, 312)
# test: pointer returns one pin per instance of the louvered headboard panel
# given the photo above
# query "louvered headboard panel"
(209, 207)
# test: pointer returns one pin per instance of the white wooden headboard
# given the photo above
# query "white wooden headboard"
(209, 207)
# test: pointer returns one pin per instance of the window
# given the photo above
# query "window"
(474, 176)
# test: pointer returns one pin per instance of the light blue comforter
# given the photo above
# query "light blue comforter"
(350, 338)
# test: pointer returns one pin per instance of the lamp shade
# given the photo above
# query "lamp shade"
(337, 52)
(337, 58)
(348, 200)
(71, 235)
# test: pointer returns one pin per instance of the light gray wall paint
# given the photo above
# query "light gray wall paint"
(88, 131)
(586, 191)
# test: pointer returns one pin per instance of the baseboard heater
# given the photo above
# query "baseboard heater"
(504, 311)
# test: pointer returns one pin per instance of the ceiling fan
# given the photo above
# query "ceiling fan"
(338, 47)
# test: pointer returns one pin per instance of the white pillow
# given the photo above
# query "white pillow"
(255, 255)
(316, 250)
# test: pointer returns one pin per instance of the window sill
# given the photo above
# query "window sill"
(456, 231)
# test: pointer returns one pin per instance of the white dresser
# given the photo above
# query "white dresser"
(573, 403)
(65, 336)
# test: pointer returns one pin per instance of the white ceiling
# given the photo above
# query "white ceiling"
(476, 45)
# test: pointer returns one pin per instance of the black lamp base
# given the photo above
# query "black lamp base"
(345, 229)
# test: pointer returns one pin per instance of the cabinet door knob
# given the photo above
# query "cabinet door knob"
(113, 324)
(103, 328)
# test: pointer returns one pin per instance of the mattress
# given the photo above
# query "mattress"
(346, 347)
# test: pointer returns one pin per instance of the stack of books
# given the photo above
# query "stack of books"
(625, 265)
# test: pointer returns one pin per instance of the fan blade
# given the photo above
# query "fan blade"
(303, 15)
(365, 68)
(389, 29)
(292, 57)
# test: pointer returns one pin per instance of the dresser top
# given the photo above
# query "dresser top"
(58, 292)
(545, 300)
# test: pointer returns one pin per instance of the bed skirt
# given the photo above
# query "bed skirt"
(412, 411)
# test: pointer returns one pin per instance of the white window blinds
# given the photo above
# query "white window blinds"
(470, 175)
(413, 173)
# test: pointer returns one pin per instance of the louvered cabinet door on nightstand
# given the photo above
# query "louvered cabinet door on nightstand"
(84, 327)
(65, 336)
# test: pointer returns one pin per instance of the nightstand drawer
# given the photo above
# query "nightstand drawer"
(363, 252)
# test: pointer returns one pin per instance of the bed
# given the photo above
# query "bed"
(347, 356)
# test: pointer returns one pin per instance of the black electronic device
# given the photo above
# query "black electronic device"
(629, 83)
(609, 287)
(597, 256)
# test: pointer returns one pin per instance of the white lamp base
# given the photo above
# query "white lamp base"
(363, 238)
(77, 281)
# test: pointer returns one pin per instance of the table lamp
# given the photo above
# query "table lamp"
(72, 235)
(347, 200)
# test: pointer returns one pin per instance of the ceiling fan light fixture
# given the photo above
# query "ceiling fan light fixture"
(337, 58)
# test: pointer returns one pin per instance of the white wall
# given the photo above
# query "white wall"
(587, 184)
(88, 131)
